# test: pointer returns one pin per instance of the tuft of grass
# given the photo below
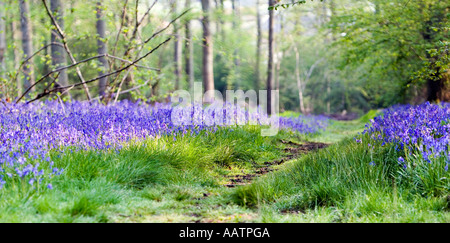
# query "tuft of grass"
(84, 206)
(369, 116)
(143, 178)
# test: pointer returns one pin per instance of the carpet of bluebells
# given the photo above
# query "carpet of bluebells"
(423, 131)
(305, 124)
(29, 132)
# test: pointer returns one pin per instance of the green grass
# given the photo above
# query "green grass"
(182, 180)
(153, 180)
(339, 184)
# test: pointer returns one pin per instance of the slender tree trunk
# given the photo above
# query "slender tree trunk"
(299, 80)
(57, 52)
(216, 4)
(207, 69)
(129, 80)
(222, 23)
(189, 51)
(279, 54)
(161, 61)
(277, 71)
(270, 66)
(27, 44)
(101, 47)
(328, 94)
(45, 41)
(237, 62)
(3, 85)
(332, 9)
(177, 51)
(2, 40)
(258, 47)
(15, 36)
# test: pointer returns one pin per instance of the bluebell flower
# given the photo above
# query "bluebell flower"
(32, 130)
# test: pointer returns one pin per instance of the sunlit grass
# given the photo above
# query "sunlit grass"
(144, 180)
(346, 182)
(181, 180)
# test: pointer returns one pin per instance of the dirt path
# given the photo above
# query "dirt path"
(294, 150)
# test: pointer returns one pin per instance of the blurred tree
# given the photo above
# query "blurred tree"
(236, 26)
(257, 79)
(57, 51)
(2, 41)
(270, 61)
(397, 47)
(189, 49)
(27, 43)
(102, 49)
(177, 49)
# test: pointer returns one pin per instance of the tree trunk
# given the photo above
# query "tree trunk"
(27, 44)
(258, 48)
(445, 93)
(207, 69)
(4, 91)
(270, 66)
(279, 54)
(129, 79)
(57, 52)
(237, 62)
(15, 37)
(439, 89)
(2, 40)
(299, 81)
(177, 51)
(222, 23)
(277, 64)
(101, 47)
(189, 51)
(328, 94)
(45, 41)
(217, 22)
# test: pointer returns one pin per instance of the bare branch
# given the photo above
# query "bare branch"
(138, 23)
(120, 85)
(147, 12)
(57, 70)
(163, 29)
(129, 48)
(136, 10)
(135, 31)
(47, 92)
(311, 69)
